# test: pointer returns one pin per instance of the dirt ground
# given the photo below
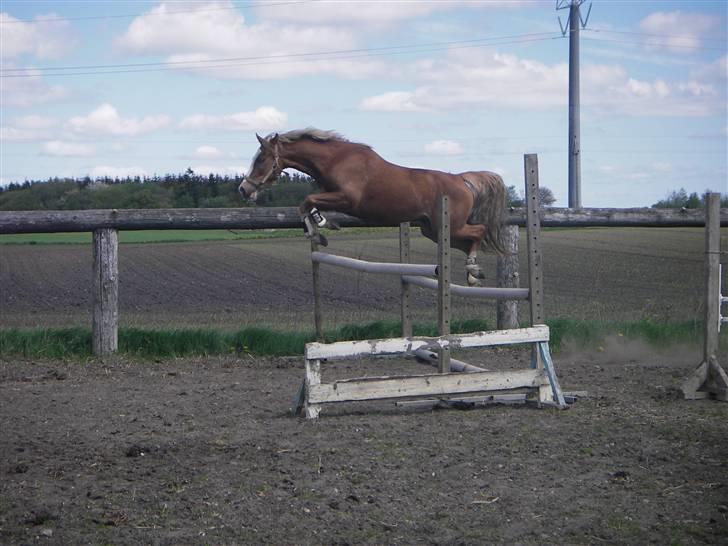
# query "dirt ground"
(205, 451)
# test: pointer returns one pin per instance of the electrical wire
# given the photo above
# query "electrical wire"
(652, 35)
(28, 72)
(655, 44)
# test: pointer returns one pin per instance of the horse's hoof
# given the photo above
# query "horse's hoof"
(472, 281)
(475, 270)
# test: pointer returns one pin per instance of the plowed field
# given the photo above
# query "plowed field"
(619, 274)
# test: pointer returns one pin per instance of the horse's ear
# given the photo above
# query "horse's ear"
(261, 140)
(274, 139)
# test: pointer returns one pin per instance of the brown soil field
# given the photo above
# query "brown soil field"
(205, 451)
(601, 274)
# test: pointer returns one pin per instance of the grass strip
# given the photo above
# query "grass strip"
(171, 236)
(69, 343)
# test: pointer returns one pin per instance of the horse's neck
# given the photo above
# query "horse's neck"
(312, 158)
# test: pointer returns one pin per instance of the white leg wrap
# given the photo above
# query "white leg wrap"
(317, 217)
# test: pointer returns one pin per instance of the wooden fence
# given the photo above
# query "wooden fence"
(105, 223)
(53, 221)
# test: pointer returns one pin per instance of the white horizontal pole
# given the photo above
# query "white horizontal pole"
(374, 267)
(471, 291)
(455, 365)
(380, 347)
(378, 388)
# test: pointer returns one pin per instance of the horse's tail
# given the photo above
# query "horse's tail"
(489, 207)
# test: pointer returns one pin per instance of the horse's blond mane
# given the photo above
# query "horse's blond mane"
(312, 133)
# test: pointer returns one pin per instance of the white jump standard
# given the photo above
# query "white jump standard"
(709, 380)
(539, 382)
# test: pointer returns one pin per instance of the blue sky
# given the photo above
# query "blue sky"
(116, 88)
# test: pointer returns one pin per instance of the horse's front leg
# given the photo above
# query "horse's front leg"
(313, 218)
(315, 204)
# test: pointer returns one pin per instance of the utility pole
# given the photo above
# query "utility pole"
(573, 25)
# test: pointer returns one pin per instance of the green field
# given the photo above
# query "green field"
(149, 236)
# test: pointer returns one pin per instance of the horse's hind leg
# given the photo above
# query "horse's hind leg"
(468, 239)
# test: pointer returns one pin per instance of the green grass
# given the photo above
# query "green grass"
(68, 343)
(166, 236)
(150, 236)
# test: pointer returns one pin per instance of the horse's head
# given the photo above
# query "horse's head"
(265, 170)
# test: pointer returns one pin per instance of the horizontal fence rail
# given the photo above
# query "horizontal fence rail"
(375, 267)
(472, 291)
(53, 221)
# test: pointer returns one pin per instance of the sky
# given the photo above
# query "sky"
(117, 88)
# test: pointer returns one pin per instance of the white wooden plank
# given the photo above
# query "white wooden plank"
(378, 388)
(374, 347)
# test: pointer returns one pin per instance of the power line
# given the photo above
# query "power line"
(274, 59)
(653, 35)
(656, 44)
(131, 15)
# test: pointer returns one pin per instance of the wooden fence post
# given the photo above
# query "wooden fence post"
(533, 238)
(404, 257)
(105, 291)
(317, 313)
(508, 277)
(443, 281)
(709, 379)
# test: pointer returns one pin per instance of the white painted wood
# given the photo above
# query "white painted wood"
(405, 292)
(443, 283)
(380, 388)
(312, 381)
(456, 365)
(490, 292)
(376, 347)
(374, 267)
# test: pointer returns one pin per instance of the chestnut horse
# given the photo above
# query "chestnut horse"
(355, 180)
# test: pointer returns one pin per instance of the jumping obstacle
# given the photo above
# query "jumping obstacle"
(539, 383)
(709, 380)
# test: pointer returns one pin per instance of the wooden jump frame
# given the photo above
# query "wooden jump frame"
(539, 382)
(709, 380)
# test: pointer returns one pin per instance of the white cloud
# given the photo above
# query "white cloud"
(46, 37)
(610, 90)
(368, 13)
(105, 120)
(57, 148)
(678, 31)
(262, 119)
(116, 172)
(466, 79)
(393, 101)
(28, 89)
(444, 147)
(206, 170)
(662, 167)
(27, 128)
(207, 152)
(240, 50)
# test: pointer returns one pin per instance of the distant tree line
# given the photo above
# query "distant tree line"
(680, 199)
(187, 190)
